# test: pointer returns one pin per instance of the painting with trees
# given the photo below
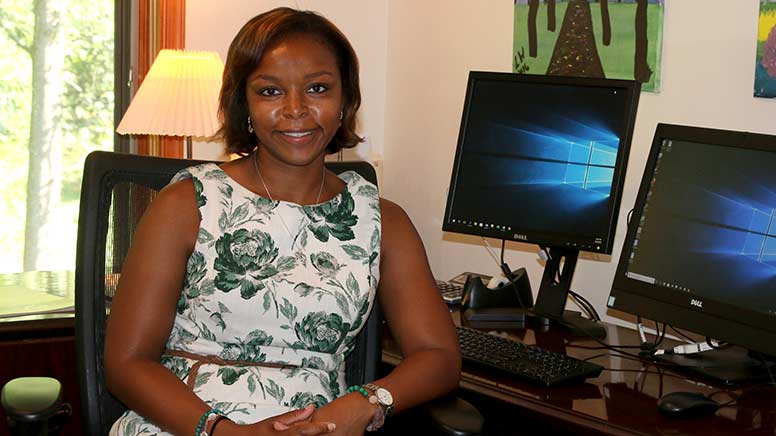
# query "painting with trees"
(616, 39)
(765, 64)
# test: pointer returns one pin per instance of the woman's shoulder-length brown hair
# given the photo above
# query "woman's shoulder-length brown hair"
(244, 56)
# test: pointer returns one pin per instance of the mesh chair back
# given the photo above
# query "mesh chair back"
(115, 191)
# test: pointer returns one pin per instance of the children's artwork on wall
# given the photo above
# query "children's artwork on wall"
(616, 39)
(765, 65)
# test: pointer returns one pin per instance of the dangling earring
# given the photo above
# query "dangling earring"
(250, 126)
(342, 116)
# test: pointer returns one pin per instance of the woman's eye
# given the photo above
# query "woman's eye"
(269, 92)
(318, 88)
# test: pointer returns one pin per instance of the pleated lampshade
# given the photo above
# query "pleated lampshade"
(178, 97)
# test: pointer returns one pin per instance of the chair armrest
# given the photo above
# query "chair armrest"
(454, 416)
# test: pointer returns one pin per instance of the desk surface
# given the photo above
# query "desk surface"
(622, 400)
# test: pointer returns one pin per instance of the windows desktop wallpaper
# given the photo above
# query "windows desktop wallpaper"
(709, 224)
(540, 157)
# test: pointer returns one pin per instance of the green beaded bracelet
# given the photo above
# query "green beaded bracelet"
(360, 389)
(204, 419)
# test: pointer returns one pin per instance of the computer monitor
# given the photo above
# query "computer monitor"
(541, 159)
(700, 252)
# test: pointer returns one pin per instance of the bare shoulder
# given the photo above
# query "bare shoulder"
(394, 218)
(391, 210)
(173, 214)
(179, 196)
(398, 232)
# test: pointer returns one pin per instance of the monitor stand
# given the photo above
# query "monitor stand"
(731, 366)
(551, 299)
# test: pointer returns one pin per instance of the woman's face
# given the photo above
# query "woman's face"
(294, 99)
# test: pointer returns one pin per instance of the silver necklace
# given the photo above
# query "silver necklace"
(269, 194)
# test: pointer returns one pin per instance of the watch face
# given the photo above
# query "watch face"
(384, 396)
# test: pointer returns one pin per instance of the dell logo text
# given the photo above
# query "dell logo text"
(521, 237)
(696, 303)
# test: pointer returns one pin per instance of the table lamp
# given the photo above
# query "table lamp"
(178, 97)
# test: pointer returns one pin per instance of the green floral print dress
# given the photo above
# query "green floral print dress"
(282, 286)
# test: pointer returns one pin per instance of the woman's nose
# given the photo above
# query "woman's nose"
(296, 106)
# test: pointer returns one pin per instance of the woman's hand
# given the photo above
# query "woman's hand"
(351, 414)
(293, 423)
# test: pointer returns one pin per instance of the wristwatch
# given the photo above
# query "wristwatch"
(383, 396)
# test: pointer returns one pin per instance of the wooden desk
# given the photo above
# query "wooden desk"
(621, 401)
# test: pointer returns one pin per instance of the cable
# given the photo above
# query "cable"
(585, 347)
(684, 336)
(504, 268)
(647, 347)
(718, 346)
(595, 357)
(490, 251)
(645, 372)
(619, 348)
(604, 344)
(662, 334)
(593, 313)
(584, 308)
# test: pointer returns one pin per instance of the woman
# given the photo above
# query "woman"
(247, 282)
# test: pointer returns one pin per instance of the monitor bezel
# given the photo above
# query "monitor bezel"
(716, 319)
(557, 238)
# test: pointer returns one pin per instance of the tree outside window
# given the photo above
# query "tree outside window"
(56, 101)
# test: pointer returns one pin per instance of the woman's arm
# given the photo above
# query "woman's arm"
(419, 321)
(416, 315)
(143, 312)
(142, 316)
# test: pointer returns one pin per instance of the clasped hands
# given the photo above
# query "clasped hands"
(346, 416)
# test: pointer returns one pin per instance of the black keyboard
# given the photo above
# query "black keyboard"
(527, 362)
(451, 292)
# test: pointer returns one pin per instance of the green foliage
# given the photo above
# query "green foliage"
(87, 117)
(16, 71)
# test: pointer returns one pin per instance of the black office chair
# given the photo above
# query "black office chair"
(116, 189)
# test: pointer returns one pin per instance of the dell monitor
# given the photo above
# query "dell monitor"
(541, 159)
(700, 252)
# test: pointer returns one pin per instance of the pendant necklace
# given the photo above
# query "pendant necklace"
(269, 194)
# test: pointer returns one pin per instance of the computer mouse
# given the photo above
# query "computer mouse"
(686, 404)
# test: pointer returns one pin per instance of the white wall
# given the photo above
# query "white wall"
(415, 60)
(707, 76)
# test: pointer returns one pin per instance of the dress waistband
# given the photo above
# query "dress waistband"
(201, 360)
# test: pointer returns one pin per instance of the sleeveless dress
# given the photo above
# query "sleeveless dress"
(276, 292)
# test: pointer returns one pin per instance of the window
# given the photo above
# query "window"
(57, 99)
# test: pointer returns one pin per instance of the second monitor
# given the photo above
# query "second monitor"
(541, 159)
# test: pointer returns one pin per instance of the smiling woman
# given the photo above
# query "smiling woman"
(243, 59)
(295, 100)
(273, 264)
